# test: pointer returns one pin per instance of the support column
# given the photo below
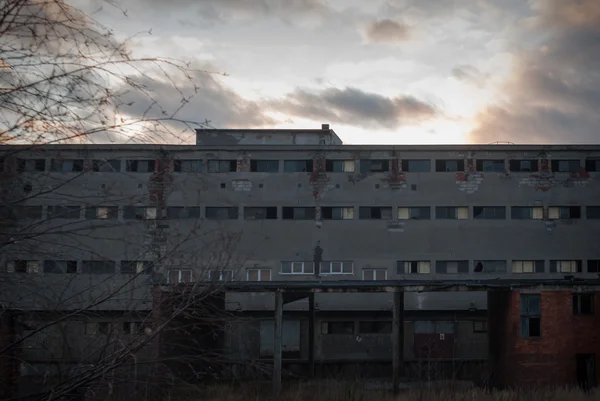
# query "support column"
(277, 363)
(311, 335)
(398, 338)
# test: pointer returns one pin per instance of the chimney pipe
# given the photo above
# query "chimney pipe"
(325, 126)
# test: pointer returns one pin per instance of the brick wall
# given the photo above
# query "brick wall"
(549, 359)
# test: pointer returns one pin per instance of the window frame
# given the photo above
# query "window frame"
(58, 165)
(382, 209)
(267, 215)
(178, 216)
(285, 213)
(327, 325)
(441, 165)
(408, 213)
(23, 266)
(112, 212)
(483, 214)
(216, 166)
(140, 213)
(69, 214)
(488, 262)
(70, 267)
(31, 165)
(375, 274)
(526, 315)
(345, 212)
(232, 213)
(259, 272)
(482, 329)
(407, 163)
(97, 167)
(408, 265)
(460, 265)
(132, 166)
(294, 263)
(535, 266)
(557, 265)
(499, 165)
(271, 164)
(572, 165)
(347, 166)
(513, 167)
(385, 330)
(140, 267)
(309, 166)
(371, 166)
(535, 212)
(180, 271)
(458, 212)
(595, 212)
(223, 273)
(577, 303)
(336, 272)
(187, 166)
(109, 265)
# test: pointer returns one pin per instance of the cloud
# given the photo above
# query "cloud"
(352, 106)
(386, 31)
(469, 74)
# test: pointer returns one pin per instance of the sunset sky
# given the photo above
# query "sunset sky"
(382, 71)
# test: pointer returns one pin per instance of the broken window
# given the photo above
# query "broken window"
(297, 268)
(139, 213)
(93, 328)
(452, 266)
(564, 212)
(298, 213)
(528, 266)
(258, 275)
(593, 266)
(222, 166)
(337, 213)
(565, 266)
(177, 276)
(64, 212)
(414, 267)
(374, 274)
(298, 166)
(220, 275)
(527, 213)
(480, 326)
(449, 165)
(592, 212)
(136, 267)
(23, 212)
(566, 166)
(31, 165)
(375, 213)
(374, 166)
(98, 267)
(66, 165)
(492, 166)
(222, 213)
(489, 212)
(583, 304)
(140, 166)
(132, 328)
(490, 266)
(523, 166)
(375, 327)
(337, 328)
(592, 165)
(264, 166)
(106, 166)
(187, 166)
(102, 212)
(416, 166)
(23, 266)
(451, 213)
(60, 266)
(339, 166)
(182, 212)
(260, 213)
(344, 267)
(414, 213)
(530, 316)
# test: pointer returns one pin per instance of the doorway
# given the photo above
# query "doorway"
(586, 370)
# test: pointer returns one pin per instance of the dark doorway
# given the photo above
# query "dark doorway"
(586, 370)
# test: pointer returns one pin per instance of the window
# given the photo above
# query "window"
(527, 213)
(452, 267)
(564, 212)
(566, 166)
(374, 166)
(336, 267)
(222, 166)
(523, 166)
(339, 166)
(182, 212)
(136, 267)
(60, 266)
(583, 304)
(106, 166)
(298, 166)
(337, 328)
(593, 266)
(180, 276)
(375, 213)
(528, 266)
(132, 328)
(31, 165)
(264, 166)
(93, 328)
(414, 267)
(140, 166)
(375, 327)
(414, 213)
(430, 327)
(298, 213)
(187, 166)
(64, 212)
(297, 268)
(489, 212)
(490, 266)
(530, 316)
(258, 275)
(449, 165)
(220, 275)
(565, 266)
(222, 213)
(139, 213)
(260, 213)
(337, 213)
(416, 166)
(451, 213)
(374, 274)
(66, 165)
(480, 326)
(492, 166)
(102, 212)
(98, 267)
(592, 165)
(23, 266)
(21, 212)
(592, 212)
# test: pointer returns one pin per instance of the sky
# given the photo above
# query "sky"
(379, 71)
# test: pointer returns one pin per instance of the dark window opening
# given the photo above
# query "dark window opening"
(416, 166)
(135, 267)
(264, 166)
(298, 213)
(106, 166)
(375, 213)
(63, 212)
(480, 326)
(97, 267)
(451, 213)
(102, 212)
(66, 165)
(489, 212)
(374, 166)
(139, 213)
(592, 165)
(492, 166)
(593, 266)
(565, 266)
(523, 166)
(569, 212)
(566, 166)
(187, 166)
(181, 212)
(449, 165)
(222, 166)
(375, 327)
(337, 213)
(592, 212)
(260, 213)
(583, 304)
(298, 166)
(31, 165)
(221, 213)
(530, 316)
(140, 166)
(339, 166)
(337, 328)
(21, 212)
(60, 266)
(490, 266)
(452, 266)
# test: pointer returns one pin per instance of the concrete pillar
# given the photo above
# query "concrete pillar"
(277, 363)
(311, 335)
(398, 338)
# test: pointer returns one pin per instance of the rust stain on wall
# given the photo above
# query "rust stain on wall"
(319, 180)
(469, 180)
(396, 179)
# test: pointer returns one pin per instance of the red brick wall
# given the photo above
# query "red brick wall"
(550, 359)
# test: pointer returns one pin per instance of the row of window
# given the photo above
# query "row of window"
(310, 165)
(350, 327)
(178, 275)
(302, 213)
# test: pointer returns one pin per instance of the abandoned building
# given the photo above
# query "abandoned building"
(98, 227)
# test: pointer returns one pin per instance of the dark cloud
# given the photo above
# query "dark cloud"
(554, 93)
(469, 74)
(386, 31)
(353, 106)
